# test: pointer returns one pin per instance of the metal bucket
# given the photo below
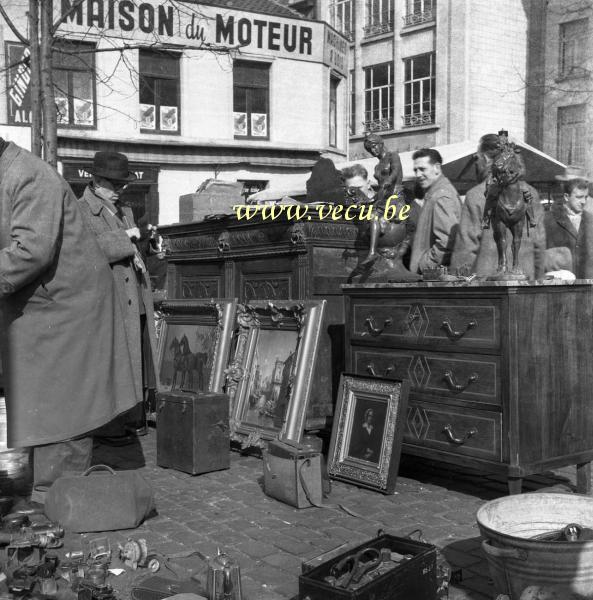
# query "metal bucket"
(16, 475)
(519, 565)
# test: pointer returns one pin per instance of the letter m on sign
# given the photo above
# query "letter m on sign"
(72, 10)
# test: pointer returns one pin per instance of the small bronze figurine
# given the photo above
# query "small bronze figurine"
(389, 176)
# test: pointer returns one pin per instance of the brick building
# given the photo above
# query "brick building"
(241, 90)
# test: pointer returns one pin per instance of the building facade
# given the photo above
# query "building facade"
(560, 105)
(432, 72)
(189, 91)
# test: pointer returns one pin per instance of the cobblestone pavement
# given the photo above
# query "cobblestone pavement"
(229, 510)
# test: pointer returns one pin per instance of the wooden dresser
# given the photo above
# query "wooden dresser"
(501, 374)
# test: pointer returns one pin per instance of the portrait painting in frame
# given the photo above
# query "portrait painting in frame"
(194, 343)
(270, 374)
(367, 432)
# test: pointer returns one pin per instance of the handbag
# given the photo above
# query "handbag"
(103, 502)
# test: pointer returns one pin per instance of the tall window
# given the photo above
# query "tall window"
(572, 134)
(341, 16)
(159, 92)
(333, 111)
(378, 97)
(74, 84)
(419, 90)
(352, 84)
(573, 42)
(379, 17)
(419, 11)
(251, 99)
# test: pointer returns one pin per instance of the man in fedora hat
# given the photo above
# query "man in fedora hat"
(113, 224)
(65, 358)
(569, 223)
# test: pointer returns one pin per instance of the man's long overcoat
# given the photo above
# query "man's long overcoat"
(66, 363)
(119, 250)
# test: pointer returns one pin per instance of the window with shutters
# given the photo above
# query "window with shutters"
(73, 69)
(159, 92)
(251, 100)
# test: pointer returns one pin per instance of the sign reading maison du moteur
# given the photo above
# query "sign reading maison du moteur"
(192, 24)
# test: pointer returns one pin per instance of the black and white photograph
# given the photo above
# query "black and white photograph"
(347, 244)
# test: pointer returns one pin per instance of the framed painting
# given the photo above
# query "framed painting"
(271, 370)
(367, 433)
(194, 341)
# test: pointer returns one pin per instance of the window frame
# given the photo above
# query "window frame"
(342, 7)
(372, 124)
(263, 66)
(176, 56)
(426, 13)
(384, 23)
(577, 45)
(572, 126)
(352, 97)
(89, 68)
(334, 84)
(410, 120)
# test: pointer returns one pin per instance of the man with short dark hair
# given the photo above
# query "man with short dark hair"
(439, 219)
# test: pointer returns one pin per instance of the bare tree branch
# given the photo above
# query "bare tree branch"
(12, 26)
(70, 11)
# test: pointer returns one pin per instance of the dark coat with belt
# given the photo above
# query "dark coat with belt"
(132, 287)
(65, 357)
(561, 233)
(437, 227)
(475, 247)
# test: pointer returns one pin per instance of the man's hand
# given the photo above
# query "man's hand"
(133, 233)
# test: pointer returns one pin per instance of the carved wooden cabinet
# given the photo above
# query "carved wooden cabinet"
(272, 260)
(501, 375)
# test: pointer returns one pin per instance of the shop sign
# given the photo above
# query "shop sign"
(77, 171)
(198, 25)
(335, 51)
(18, 89)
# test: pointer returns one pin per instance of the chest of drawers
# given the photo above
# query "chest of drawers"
(501, 374)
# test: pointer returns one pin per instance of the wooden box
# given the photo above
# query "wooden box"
(414, 579)
(193, 431)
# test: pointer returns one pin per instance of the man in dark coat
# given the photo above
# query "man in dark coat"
(67, 367)
(439, 219)
(113, 225)
(475, 249)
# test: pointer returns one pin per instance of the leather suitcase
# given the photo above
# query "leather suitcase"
(292, 474)
(193, 431)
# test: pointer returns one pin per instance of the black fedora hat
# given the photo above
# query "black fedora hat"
(112, 165)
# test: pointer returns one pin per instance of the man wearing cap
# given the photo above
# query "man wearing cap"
(113, 225)
(65, 358)
(475, 249)
(570, 225)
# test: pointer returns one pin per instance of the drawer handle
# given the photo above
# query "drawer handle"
(457, 387)
(373, 329)
(459, 441)
(457, 335)
(371, 369)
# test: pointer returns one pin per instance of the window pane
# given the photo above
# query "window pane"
(73, 56)
(239, 99)
(163, 64)
(82, 85)
(407, 69)
(169, 92)
(259, 100)
(408, 93)
(251, 74)
(60, 83)
(147, 90)
(380, 75)
(422, 66)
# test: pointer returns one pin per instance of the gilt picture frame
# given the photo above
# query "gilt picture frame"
(367, 433)
(271, 370)
(194, 341)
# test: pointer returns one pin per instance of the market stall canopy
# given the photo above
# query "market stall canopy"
(457, 166)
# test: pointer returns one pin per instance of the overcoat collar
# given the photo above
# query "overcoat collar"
(8, 156)
(97, 204)
(561, 217)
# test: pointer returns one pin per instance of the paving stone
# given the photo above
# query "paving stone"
(257, 549)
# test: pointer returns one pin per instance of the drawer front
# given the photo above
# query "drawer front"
(441, 322)
(460, 431)
(461, 376)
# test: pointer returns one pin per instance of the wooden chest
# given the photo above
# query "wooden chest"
(501, 377)
(193, 431)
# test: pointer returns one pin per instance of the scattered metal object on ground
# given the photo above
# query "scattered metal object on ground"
(134, 553)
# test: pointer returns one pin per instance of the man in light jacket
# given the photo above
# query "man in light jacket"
(439, 219)
(65, 356)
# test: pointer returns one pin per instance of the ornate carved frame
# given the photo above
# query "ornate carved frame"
(216, 313)
(381, 475)
(305, 317)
